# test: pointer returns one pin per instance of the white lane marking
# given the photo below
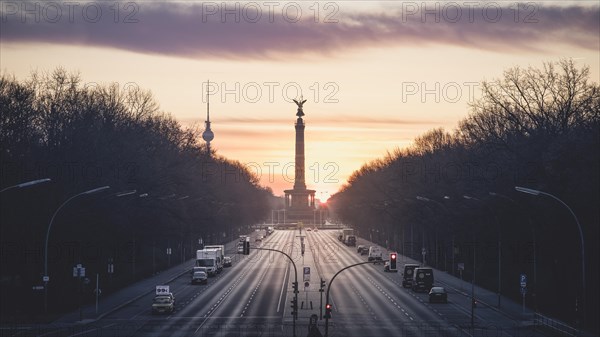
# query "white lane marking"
(283, 286)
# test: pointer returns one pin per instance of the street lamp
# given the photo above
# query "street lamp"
(538, 193)
(46, 277)
(499, 246)
(502, 196)
(26, 184)
(436, 231)
(473, 278)
(125, 193)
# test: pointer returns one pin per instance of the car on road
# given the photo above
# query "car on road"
(227, 261)
(316, 229)
(375, 254)
(422, 279)
(308, 229)
(162, 304)
(438, 294)
(360, 248)
(407, 275)
(258, 239)
(199, 275)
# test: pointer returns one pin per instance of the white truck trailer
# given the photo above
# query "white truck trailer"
(207, 258)
(220, 254)
(346, 232)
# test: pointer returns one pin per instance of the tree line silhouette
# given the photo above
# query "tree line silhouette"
(534, 127)
(82, 136)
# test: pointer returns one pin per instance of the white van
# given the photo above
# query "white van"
(374, 254)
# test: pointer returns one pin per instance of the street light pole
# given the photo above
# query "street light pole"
(46, 277)
(329, 288)
(537, 193)
(420, 198)
(499, 247)
(295, 284)
(26, 184)
(534, 293)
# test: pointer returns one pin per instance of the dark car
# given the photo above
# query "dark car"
(407, 275)
(360, 248)
(438, 294)
(422, 279)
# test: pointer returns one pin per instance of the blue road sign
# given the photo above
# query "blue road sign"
(523, 280)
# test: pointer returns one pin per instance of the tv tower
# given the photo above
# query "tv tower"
(207, 135)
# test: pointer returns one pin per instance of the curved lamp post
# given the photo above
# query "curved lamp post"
(538, 193)
(46, 278)
(26, 184)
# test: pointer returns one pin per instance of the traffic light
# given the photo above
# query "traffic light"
(393, 261)
(295, 286)
(322, 288)
(327, 310)
(247, 247)
(294, 307)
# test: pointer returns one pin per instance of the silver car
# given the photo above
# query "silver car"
(199, 277)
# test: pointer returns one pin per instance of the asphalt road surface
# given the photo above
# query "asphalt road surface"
(252, 298)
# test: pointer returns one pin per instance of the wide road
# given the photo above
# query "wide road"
(252, 298)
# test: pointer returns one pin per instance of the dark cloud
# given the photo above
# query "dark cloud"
(209, 31)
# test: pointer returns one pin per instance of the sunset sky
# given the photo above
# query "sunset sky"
(375, 74)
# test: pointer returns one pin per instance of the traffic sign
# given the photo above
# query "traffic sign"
(306, 273)
(523, 291)
(306, 284)
(78, 271)
(461, 266)
(46, 278)
(523, 280)
(160, 290)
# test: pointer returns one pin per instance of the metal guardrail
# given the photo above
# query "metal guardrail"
(556, 326)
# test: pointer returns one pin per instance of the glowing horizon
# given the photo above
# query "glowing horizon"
(376, 75)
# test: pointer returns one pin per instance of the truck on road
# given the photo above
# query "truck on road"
(220, 254)
(347, 232)
(208, 258)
